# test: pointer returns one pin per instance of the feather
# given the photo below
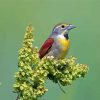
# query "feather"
(46, 47)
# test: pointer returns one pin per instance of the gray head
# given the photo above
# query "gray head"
(63, 29)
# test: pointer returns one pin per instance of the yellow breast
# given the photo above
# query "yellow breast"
(64, 46)
(64, 43)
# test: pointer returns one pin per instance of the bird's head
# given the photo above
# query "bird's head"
(62, 29)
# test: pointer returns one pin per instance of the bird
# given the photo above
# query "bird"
(58, 43)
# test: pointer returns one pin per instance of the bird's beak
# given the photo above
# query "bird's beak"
(71, 27)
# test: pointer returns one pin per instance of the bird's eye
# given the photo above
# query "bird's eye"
(63, 26)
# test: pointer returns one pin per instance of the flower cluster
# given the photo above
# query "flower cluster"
(63, 71)
(33, 72)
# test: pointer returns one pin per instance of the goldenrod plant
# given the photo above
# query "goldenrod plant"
(33, 71)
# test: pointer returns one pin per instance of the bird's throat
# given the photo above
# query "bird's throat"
(66, 36)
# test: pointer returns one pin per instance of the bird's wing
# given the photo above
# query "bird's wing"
(46, 47)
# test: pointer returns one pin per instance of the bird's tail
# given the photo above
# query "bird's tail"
(61, 88)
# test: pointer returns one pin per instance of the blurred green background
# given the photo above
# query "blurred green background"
(15, 15)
